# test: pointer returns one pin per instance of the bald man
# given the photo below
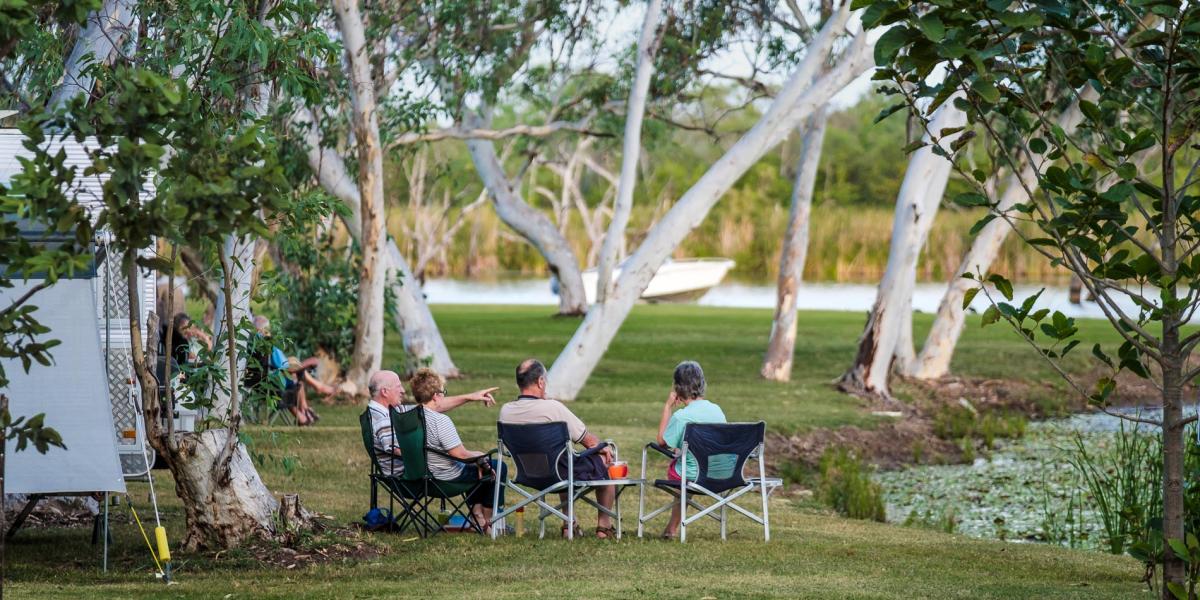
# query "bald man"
(532, 406)
(387, 393)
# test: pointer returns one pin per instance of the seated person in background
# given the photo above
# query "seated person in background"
(687, 393)
(429, 390)
(269, 370)
(187, 339)
(532, 406)
(387, 393)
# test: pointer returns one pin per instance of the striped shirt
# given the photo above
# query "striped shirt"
(381, 425)
(440, 433)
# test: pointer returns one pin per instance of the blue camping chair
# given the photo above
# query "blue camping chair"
(720, 452)
(545, 461)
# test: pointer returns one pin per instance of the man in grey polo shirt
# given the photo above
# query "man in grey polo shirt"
(532, 406)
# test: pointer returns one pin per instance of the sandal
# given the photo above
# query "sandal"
(313, 417)
(606, 533)
(578, 532)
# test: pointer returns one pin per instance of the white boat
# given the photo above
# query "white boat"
(675, 281)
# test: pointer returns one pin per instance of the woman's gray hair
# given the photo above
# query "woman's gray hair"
(689, 380)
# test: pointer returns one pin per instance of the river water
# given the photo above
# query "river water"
(853, 297)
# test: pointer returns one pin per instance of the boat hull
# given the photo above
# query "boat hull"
(676, 281)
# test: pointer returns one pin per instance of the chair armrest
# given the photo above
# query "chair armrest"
(474, 460)
(593, 449)
(663, 450)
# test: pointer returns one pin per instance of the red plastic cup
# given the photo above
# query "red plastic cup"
(618, 470)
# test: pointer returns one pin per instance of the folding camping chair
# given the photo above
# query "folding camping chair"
(417, 483)
(720, 451)
(396, 493)
(539, 451)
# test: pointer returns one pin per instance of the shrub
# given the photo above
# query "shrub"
(846, 486)
(959, 422)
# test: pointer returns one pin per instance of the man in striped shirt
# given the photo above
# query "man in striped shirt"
(387, 393)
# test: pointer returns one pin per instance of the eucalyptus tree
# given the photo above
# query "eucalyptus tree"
(1127, 228)
(320, 126)
(368, 327)
(614, 240)
(805, 91)
(781, 345)
(916, 207)
(934, 359)
(470, 55)
(184, 107)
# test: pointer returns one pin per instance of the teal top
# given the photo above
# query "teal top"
(698, 411)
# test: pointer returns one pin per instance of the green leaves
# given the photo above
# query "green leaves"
(890, 42)
(971, 199)
(931, 25)
(969, 297)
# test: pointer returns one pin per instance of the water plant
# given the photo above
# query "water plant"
(1122, 482)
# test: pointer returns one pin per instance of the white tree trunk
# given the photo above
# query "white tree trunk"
(916, 206)
(934, 360)
(630, 148)
(422, 340)
(777, 364)
(106, 29)
(906, 353)
(800, 97)
(219, 515)
(368, 328)
(527, 221)
(240, 251)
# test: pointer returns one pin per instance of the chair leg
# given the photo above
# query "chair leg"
(724, 520)
(617, 507)
(641, 505)
(683, 512)
(766, 515)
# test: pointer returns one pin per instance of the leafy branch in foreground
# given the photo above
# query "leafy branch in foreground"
(1113, 201)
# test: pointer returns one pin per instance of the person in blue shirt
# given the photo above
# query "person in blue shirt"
(687, 394)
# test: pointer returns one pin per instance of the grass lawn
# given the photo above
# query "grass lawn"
(812, 554)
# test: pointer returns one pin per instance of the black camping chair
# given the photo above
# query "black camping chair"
(720, 451)
(396, 492)
(545, 461)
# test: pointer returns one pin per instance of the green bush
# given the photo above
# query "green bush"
(958, 422)
(846, 486)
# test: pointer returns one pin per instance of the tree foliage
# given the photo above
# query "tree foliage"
(1117, 206)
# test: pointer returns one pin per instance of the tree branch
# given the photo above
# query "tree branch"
(464, 133)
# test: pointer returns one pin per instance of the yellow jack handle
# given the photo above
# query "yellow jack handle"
(164, 551)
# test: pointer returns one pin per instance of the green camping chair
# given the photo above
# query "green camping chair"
(396, 491)
(419, 485)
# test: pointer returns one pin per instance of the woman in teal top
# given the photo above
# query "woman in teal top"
(687, 393)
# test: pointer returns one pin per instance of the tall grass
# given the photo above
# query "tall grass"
(846, 244)
(1123, 483)
(846, 486)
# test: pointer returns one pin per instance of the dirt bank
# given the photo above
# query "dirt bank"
(910, 435)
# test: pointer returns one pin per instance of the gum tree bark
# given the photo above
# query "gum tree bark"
(527, 221)
(368, 327)
(106, 30)
(614, 240)
(938, 350)
(916, 206)
(799, 98)
(777, 364)
(422, 340)
(235, 296)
